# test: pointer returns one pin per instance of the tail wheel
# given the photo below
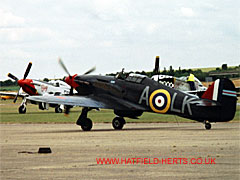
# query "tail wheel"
(208, 126)
(22, 109)
(86, 124)
(118, 123)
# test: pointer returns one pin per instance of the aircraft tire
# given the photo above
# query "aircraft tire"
(208, 126)
(58, 109)
(86, 124)
(118, 123)
(41, 106)
(22, 109)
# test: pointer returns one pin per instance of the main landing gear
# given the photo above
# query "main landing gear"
(58, 109)
(83, 121)
(22, 108)
(86, 123)
(118, 123)
(207, 125)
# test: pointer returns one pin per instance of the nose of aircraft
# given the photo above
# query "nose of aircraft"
(21, 82)
(70, 81)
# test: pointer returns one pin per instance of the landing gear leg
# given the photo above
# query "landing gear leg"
(83, 121)
(22, 108)
(207, 125)
(118, 123)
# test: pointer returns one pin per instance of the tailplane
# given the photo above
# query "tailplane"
(224, 92)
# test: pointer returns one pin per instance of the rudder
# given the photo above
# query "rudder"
(224, 92)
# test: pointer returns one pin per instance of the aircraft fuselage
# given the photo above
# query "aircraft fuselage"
(154, 97)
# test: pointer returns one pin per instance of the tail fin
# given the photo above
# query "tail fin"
(224, 92)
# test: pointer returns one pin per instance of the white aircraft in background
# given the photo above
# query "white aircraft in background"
(180, 83)
(37, 87)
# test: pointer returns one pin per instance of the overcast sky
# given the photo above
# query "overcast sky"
(112, 34)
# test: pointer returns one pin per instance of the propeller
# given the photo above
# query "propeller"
(67, 108)
(24, 77)
(12, 77)
(15, 99)
(65, 69)
(27, 70)
(63, 66)
(90, 71)
(15, 79)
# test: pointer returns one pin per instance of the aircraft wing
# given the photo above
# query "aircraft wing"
(13, 94)
(87, 101)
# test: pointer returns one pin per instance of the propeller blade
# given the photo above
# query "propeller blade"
(27, 70)
(15, 99)
(90, 71)
(12, 77)
(63, 66)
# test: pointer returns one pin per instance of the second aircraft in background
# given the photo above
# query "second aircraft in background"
(37, 87)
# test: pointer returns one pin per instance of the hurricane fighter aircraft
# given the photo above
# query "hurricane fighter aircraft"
(36, 87)
(135, 94)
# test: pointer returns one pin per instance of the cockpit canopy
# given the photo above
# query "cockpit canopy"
(136, 78)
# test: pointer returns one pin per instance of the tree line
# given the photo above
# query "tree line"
(233, 72)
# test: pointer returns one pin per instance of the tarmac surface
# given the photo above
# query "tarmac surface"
(144, 151)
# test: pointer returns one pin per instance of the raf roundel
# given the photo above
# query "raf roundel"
(160, 101)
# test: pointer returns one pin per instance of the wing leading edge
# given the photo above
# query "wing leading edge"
(87, 101)
(13, 94)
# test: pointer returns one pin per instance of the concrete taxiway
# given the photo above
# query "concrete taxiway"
(146, 151)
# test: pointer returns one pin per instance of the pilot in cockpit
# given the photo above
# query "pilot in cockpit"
(121, 75)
